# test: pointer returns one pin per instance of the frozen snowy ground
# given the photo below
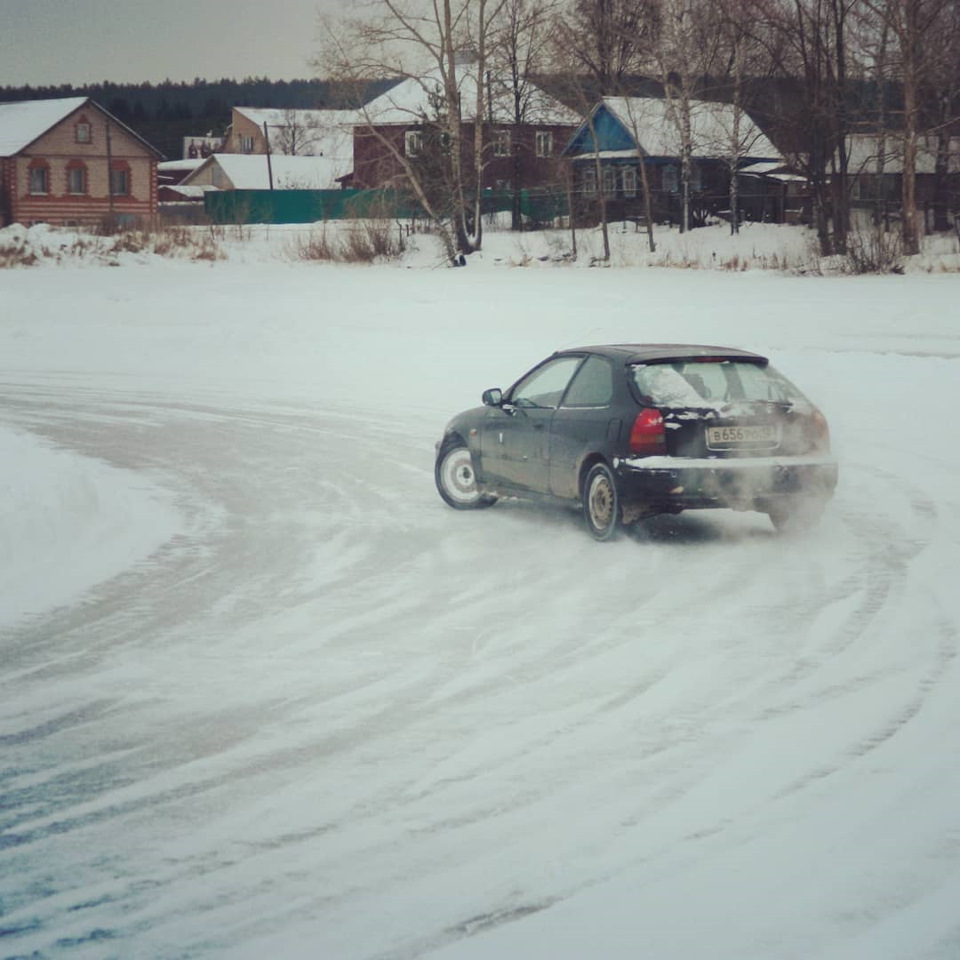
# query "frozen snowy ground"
(262, 694)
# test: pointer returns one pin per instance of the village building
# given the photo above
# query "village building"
(403, 122)
(234, 171)
(68, 161)
(875, 173)
(301, 133)
(622, 132)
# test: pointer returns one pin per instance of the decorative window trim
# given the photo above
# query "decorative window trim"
(120, 176)
(413, 142)
(629, 180)
(42, 169)
(609, 175)
(543, 140)
(589, 181)
(77, 168)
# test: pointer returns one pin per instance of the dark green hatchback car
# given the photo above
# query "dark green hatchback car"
(627, 431)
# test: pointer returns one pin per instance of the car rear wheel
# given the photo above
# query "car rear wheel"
(456, 479)
(601, 502)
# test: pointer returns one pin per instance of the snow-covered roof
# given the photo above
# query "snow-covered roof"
(322, 119)
(23, 122)
(178, 166)
(651, 121)
(249, 171)
(415, 98)
(319, 133)
(190, 191)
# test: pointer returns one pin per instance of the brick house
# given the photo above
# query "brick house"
(69, 161)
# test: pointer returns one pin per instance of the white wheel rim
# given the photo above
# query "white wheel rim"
(601, 502)
(457, 477)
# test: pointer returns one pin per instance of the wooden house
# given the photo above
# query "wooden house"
(69, 161)
(875, 173)
(621, 133)
(517, 155)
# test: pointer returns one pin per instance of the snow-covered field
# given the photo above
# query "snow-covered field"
(263, 695)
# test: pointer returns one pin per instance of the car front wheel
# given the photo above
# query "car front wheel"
(601, 502)
(456, 479)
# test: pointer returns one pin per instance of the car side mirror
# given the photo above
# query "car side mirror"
(493, 398)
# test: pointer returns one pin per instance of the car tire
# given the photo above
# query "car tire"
(796, 515)
(601, 502)
(456, 478)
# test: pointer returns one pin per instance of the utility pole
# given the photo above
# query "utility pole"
(266, 137)
(109, 172)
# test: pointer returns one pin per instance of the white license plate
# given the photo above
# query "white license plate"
(757, 435)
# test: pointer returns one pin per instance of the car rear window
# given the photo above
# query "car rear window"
(695, 383)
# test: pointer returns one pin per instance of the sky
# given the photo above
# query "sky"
(130, 41)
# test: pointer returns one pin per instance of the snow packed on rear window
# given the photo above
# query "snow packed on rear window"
(695, 383)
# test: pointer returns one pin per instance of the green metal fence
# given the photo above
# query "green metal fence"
(304, 206)
(308, 206)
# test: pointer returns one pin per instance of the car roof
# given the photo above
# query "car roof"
(656, 352)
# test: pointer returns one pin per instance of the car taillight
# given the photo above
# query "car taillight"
(648, 436)
(820, 432)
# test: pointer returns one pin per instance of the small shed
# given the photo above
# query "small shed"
(236, 171)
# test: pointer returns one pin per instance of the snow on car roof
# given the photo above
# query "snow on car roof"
(639, 352)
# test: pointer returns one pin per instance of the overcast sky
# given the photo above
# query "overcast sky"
(83, 41)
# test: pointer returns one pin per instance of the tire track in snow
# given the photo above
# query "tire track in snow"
(455, 657)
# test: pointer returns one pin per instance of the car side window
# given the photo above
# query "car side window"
(592, 386)
(544, 387)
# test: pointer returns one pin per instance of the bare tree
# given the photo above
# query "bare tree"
(685, 48)
(597, 46)
(814, 55)
(916, 26)
(518, 54)
(745, 53)
(423, 42)
(944, 83)
(605, 39)
(296, 133)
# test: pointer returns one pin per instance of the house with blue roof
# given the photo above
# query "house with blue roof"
(623, 134)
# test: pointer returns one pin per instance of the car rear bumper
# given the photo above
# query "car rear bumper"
(746, 483)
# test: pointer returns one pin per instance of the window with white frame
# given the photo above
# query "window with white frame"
(83, 132)
(246, 144)
(76, 179)
(589, 181)
(544, 143)
(629, 179)
(669, 178)
(609, 181)
(413, 143)
(501, 143)
(40, 179)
